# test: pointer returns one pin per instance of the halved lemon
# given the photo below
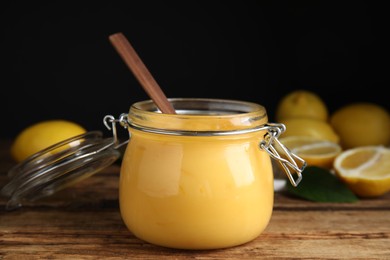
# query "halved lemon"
(366, 170)
(316, 152)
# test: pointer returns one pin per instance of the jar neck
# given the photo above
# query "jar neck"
(199, 115)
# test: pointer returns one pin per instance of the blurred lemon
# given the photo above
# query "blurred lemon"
(301, 103)
(309, 127)
(42, 135)
(361, 124)
(314, 151)
(365, 170)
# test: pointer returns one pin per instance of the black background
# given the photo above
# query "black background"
(56, 60)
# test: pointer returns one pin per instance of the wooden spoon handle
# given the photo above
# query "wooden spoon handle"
(145, 78)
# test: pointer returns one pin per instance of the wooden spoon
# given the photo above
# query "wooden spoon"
(145, 78)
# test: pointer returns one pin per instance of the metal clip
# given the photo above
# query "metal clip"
(290, 160)
(109, 119)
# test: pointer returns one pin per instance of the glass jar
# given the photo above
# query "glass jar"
(201, 178)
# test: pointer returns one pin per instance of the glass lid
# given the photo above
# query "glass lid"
(59, 166)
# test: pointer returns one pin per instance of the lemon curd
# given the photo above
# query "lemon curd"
(196, 179)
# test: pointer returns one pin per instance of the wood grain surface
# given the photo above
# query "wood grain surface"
(84, 222)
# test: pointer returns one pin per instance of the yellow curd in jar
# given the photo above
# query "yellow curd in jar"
(196, 179)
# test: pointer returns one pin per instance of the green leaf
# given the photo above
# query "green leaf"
(320, 185)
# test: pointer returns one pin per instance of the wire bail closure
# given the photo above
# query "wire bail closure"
(290, 160)
(109, 119)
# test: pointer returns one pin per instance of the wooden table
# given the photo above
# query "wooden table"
(83, 222)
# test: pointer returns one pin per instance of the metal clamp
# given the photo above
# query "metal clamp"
(286, 159)
(109, 119)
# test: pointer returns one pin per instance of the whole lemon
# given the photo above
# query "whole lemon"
(42, 135)
(361, 124)
(301, 103)
(309, 127)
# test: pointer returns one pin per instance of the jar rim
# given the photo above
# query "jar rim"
(198, 115)
(195, 107)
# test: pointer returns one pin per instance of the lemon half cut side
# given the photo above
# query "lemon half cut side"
(316, 152)
(366, 170)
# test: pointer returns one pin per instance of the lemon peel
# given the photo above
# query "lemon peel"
(302, 103)
(361, 124)
(41, 135)
(310, 127)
